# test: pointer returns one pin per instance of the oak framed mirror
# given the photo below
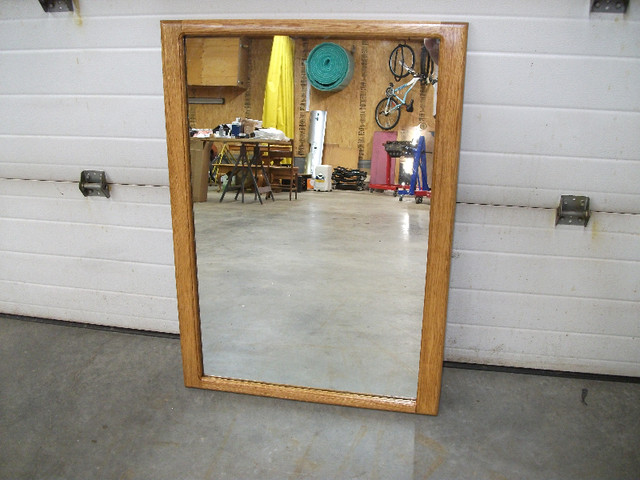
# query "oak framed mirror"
(430, 330)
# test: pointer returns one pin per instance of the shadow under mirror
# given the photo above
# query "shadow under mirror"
(317, 280)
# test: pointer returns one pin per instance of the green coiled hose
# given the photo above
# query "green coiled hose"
(329, 67)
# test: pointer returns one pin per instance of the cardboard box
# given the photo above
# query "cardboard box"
(248, 125)
(199, 170)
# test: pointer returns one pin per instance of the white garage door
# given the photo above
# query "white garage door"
(551, 107)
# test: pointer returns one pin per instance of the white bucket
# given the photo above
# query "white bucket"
(322, 178)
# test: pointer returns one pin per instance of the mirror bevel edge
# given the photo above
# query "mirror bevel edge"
(453, 41)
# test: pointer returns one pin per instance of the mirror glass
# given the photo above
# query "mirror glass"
(325, 289)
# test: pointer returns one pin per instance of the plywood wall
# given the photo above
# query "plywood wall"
(238, 102)
(350, 112)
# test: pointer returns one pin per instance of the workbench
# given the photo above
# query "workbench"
(247, 165)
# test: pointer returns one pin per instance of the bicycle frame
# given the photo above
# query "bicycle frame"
(402, 101)
(388, 109)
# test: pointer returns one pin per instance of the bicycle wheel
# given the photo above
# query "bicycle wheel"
(387, 113)
(401, 57)
(426, 63)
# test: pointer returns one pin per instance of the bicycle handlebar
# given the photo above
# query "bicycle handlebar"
(423, 78)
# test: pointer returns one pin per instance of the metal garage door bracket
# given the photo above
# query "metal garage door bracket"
(573, 210)
(94, 183)
(609, 6)
(53, 6)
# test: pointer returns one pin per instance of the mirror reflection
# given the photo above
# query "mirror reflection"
(311, 163)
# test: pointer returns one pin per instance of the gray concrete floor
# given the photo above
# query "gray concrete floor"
(80, 403)
(325, 291)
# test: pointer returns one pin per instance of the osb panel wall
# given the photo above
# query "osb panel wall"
(350, 112)
(238, 102)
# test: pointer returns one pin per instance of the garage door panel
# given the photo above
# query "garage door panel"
(86, 300)
(563, 345)
(108, 275)
(532, 232)
(84, 116)
(526, 293)
(98, 242)
(90, 317)
(136, 161)
(542, 362)
(538, 181)
(484, 308)
(551, 132)
(576, 82)
(82, 72)
(586, 278)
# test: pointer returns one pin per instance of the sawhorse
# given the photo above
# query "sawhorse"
(244, 166)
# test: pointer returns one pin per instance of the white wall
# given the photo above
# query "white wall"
(551, 106)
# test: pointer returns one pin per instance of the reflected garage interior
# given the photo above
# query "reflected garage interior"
(314, 279)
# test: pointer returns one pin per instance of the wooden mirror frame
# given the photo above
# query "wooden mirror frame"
(452, 59)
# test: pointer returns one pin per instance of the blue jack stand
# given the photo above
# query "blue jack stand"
(418, 187)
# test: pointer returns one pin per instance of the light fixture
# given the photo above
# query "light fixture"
(206, 100)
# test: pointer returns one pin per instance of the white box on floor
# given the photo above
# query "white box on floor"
(322, 178)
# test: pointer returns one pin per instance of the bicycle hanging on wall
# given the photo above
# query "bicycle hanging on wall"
(401, 63)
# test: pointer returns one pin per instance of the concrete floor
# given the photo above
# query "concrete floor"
(80, 403)
(325, 291)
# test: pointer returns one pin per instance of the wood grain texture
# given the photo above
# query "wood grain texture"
(216, 61)
(306, 394)
(173, 60)
(443, 203)
(238, 102)
(452, 54)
